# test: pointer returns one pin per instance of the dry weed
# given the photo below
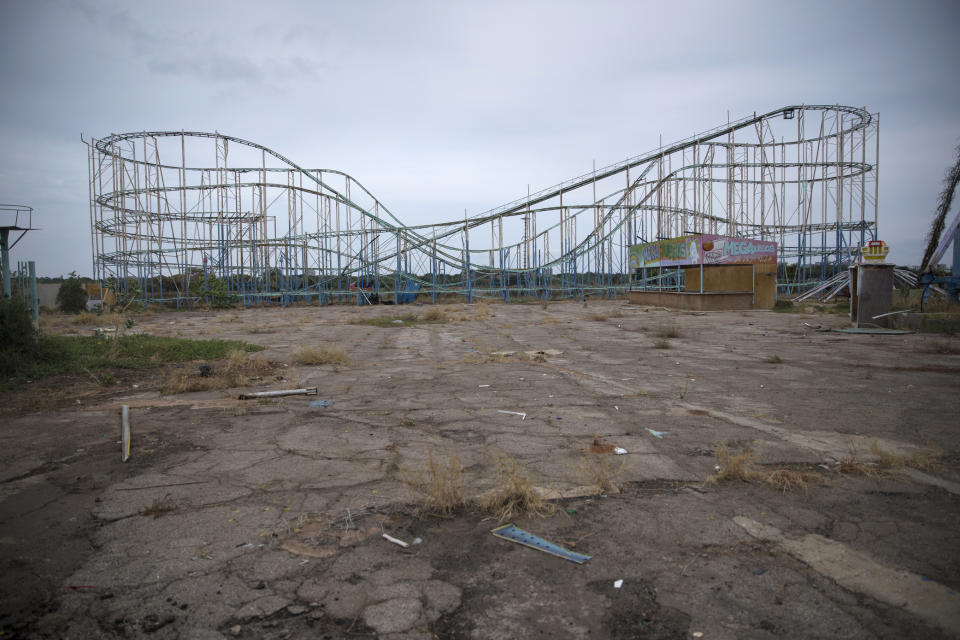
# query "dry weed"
(661, 344)
(740, 467)
(324, 354)
(889, 460)
(159, 507)
(734, 466)
(481, 310)
(515, 494)
(850, 466)
(235, 370)
(789, 480)
(599, 471)
(441, 485)
(435, 314)
(668, 330)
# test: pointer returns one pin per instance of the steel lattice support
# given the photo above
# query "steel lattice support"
(180, 216)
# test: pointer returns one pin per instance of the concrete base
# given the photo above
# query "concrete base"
(694, 301)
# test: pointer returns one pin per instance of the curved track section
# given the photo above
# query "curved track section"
(178, 216)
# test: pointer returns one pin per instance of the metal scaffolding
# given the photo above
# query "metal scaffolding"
(168, 226)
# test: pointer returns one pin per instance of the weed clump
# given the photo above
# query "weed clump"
(785, 306)
(774, 359)
(891, 461)
(441, 485)
(435, 314)
(734, 466)
(159, 507)
(668, 330)
(324, 354)
(389, 321)
(740, 467)
(850, 466)
(235, 371)
(790, 480)
(597, 470)
(661, 344)
(515, 494)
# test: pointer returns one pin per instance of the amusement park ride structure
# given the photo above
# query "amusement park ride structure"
(172, 212)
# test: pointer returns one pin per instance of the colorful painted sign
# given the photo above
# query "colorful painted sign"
(671, 252)
(705, 249)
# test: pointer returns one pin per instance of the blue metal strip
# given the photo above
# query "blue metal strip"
(512, 533)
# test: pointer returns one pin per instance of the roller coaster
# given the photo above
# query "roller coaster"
(179, 217)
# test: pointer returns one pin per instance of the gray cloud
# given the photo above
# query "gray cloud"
(439, 106)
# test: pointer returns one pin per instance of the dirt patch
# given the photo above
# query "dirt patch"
(281, 506)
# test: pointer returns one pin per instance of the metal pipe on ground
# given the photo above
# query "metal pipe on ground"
(125, 433)
(309, 391)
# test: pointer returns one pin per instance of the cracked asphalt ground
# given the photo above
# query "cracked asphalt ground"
(264, 519)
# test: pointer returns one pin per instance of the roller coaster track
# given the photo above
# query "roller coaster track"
(804, 175)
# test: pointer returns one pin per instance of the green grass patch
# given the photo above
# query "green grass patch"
(402, 320)
(79, 354)
(785, 306)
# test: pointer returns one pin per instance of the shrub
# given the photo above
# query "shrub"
(72, 297)
(18, 337)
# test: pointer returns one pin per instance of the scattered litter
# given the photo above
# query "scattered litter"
(513, 534)
(309, 391)
(616, 407)
(396, 322)
(303, 562)
(658, 434)
(619, 451)
(390, 538)
(617, 584)
(125, 433)
(698, 634)
(570, 510)
(319, 404)
(417, 541)
(523, 416)
(483, 385)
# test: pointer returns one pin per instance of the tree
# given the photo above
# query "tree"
(72, 297)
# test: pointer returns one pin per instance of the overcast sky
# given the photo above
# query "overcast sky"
(438, 107)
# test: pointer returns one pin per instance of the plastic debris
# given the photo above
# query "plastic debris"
(390, 538)
(523, 416)
(619, 451)
(697, 634)
(417, 541)
(396, 322)
(617, 584)
(658, 434)
(513, 534)
(482, 386)
(320, 403)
